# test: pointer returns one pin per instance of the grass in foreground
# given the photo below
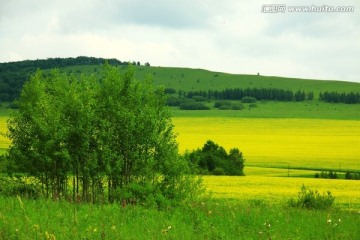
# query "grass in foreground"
(220, 219)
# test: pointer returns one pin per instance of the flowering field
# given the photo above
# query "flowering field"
(283, 142)
(280, 189)
(4, 142)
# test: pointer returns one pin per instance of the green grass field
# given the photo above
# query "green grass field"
(198, 79)
(284, 145)
(209, 219)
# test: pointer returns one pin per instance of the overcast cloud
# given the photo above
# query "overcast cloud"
(228, 36)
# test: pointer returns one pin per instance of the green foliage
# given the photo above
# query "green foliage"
(352, 176)
(169, 90)
(173, 101)
(198, 98)
(110, 136)
(330, 174)
(227, 105)
(247, 99)
(311, 199)
(192, 105)
(213, 159)
(336, 97)
(221, 103)
(28, 187)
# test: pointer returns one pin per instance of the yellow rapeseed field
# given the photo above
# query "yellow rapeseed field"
(310, 143)
(4, 142)
(280, 189)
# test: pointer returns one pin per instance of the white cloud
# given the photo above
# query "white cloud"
(231, 36)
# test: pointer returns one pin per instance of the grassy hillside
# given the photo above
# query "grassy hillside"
(198, 79)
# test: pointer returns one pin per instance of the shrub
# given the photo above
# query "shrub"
(219, 171)
(252, 105)
(247, 99)
(310, 199)
(225, 107)
(169, 90)
(173, 101)
(193, 106)
(198, 98)
(22, 186)
(237, 106)
(218, 104)
(353, 176)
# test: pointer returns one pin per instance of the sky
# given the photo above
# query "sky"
(234, 36)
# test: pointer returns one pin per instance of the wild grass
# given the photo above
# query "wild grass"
(209, 219)
(199, 79)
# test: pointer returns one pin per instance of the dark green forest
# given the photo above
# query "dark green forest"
(13, 75)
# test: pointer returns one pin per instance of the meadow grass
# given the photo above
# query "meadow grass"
(199, 79)
(207, 219)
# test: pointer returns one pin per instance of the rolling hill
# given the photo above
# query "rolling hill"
(14, 74)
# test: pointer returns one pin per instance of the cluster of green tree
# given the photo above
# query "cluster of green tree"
(195, 103)
(258, 93)
(333, 175)
(14, 74)
(352, 175)
(336, 97)
(228, 105)
(213, 159)
(330, 175)
(108, 139)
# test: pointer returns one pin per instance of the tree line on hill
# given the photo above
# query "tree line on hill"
(274, 94)
(13, 75)
(340, 97)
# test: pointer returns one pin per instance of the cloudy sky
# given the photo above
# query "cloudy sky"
(229, 36)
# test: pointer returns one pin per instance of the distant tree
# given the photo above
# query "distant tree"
(248, 99)
(192, 105)
(169, 90)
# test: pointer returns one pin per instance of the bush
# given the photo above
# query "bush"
(218, 104)
(28, 187)
(248, 100)
(310, 199)
(352, 176)
(193, 106)
(173, 101)
(199, 98)
(237, 106)
(330, 175)
(169, 90)
(252, 105)
(219, 171)
(225, 107)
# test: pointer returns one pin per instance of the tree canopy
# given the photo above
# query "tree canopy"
(213, 159)
(94, 138)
